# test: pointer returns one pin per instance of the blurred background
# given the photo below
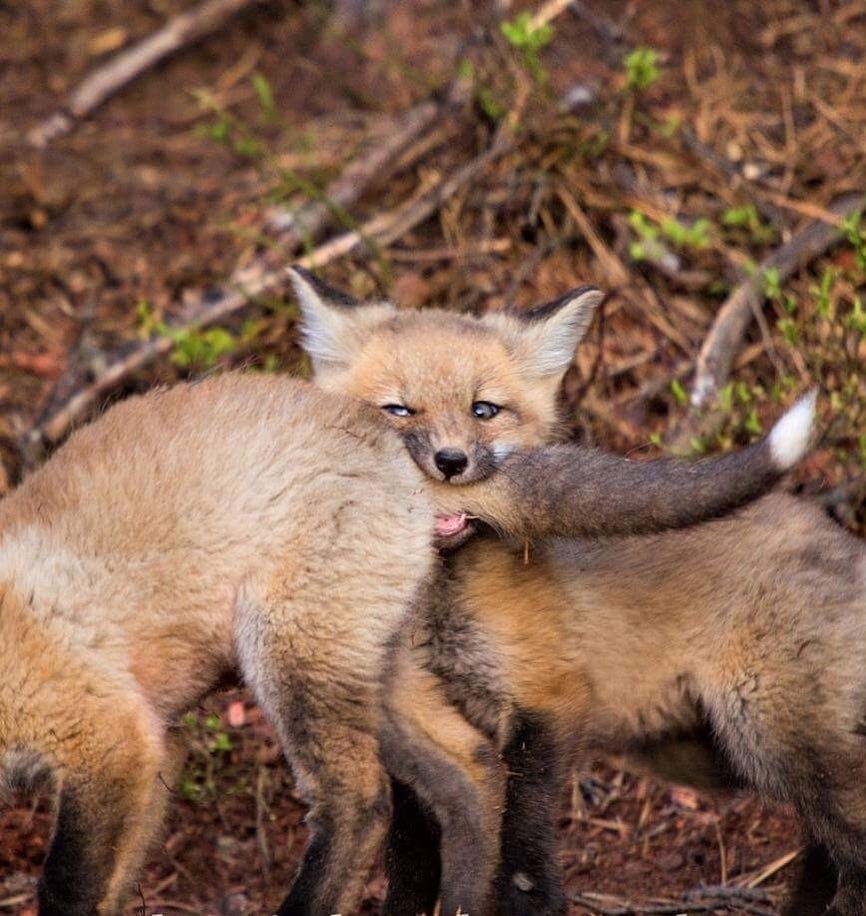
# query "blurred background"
(162, 162)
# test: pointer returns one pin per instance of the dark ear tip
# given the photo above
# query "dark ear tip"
(546, 309)
(301, 272)
(329, 294)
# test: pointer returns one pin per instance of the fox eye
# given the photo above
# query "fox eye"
(484, 410)
(398, 410)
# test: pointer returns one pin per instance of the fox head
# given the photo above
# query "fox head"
(461, 390)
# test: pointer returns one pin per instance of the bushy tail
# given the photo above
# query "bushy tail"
(570, 490)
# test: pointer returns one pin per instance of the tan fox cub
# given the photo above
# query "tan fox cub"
(744, 637)
(259, 525)
(463, 386)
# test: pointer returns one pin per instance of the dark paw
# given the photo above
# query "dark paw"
(521, 896)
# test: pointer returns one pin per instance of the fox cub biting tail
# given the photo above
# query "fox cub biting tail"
(732, 652)
(464, 392)
(260, 526)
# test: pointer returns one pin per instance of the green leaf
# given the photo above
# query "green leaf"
(679, 393)
(265, 95)
(221, 742)
(641, 68)
(753, 424)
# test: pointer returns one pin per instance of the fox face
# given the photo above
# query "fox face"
(462, 391)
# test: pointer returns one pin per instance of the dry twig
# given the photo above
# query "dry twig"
(741, 900)
(129, 64)
(725, 337)
(244, 286)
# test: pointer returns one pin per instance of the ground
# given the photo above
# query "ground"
(663, 175)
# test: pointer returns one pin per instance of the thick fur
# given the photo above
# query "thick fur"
(518, 642)
(754, 626)
(256, 525)
(749, 629)
(242, 522)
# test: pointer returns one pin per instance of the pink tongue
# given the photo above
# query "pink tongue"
(449, 525)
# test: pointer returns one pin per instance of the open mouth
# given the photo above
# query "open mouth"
(449, 526)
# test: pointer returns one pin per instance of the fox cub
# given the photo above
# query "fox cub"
(257, 526)
(731, 652)
(501, 635)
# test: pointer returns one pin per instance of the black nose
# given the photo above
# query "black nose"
(451, 461)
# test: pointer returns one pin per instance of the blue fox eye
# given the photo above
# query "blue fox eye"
(484, 410)
(398, 410)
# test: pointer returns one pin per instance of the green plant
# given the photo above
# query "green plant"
(747, 218)
(491, 109)
(649, 245)
(529, 40)
(265, 95)
(856, 236)
(771, 288)
(641, 68)
(697, 235)
(228, 129)
(193, 348)
(823, 299)
(209, 744)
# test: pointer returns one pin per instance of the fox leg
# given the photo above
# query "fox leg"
(530, 881)
(817, 762)
(815, 884)
(328, 719)
(412, 854)
(429, 747)
(112, 797)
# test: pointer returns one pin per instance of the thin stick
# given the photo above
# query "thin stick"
(725, 337)
(243, 287)
(129, 64)
(611, 906)
(310, 220)
(547, 12)
(774, 867)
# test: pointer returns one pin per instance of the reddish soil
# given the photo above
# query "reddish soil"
(148, 202)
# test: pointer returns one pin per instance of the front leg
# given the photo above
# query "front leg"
(457, 776)
(529, 882)
(412, 855)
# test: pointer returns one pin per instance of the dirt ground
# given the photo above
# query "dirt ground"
(664, 177)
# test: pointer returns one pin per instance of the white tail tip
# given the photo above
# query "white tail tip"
(790, 437)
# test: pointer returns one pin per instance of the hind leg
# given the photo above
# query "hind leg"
(112, 798)
(834, 808)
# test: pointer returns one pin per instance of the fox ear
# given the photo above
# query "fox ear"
(549, 334)
(334, 324)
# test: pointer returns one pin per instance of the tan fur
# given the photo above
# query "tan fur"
(604, 643)
(755, 625)
(257, 524)
(154, 553)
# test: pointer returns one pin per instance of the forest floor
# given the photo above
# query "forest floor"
(658, 150)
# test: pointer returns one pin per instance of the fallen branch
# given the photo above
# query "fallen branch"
(308, 221)
(243, 287)
(697, 902)
(725, 337)
(129, 64)
(268, 272)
